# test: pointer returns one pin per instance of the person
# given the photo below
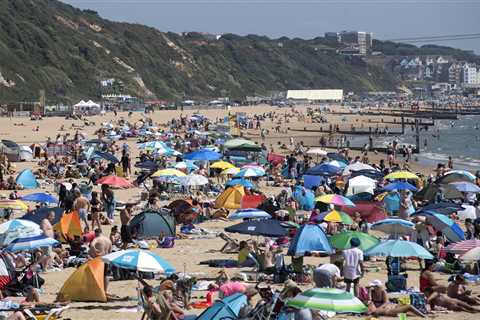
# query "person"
(245, 310)
(82, 206)
(244, 258)
(378, 304)
(46, 225)
(469, 229)
(231, 287)
(436, 299)
(291, 290)
(326, 275)
(428, 281)
(101, 246)
(115, 237)
(152, 308)
(126, 164)
(109, 201)
(125, 216)
(95, 209)
(353, 265)
(457, 290)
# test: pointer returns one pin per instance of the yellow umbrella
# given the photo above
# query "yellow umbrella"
(338, 216)
(401, 175)
(169, 172)
(233, 170)
(13, 204)
(222, 165)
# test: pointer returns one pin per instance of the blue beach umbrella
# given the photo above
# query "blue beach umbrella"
(465, 186)
(452, 231)
(227, 308)
(267, 228)
(310, 238)
(394, 226)
(249, 214)
(399, 186)
(105, 155)
(31, 243)
(249, 172)
(242, 182)
(399, 248)
(40, 197)
(324, 169)
(139, 260)
(203, 155)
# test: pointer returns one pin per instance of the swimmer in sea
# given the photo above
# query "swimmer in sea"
(452, 124)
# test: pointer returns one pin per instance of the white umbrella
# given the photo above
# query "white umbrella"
(471, 255)
(18, 228)
(360, 184)
(194, 180)
(317, 151)
(470, 212)
(357, 166)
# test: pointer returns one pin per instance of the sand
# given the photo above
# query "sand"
(186, 254)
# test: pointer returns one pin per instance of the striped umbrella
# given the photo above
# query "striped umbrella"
(31, 243)
(335, 199)
(139, 260)
(335, 216)
(250, 172)
(463, 246)
(328, 299)
(13, 204)
(249, 214)
(17, 228)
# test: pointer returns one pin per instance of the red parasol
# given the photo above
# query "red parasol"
(115, 181)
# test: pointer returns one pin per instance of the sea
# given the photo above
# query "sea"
(459, 139)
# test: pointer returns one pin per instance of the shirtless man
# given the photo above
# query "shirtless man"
(101, 246)
(125, 216)
(46, 225)
(81, 205)
(441, 300)
(457, 290)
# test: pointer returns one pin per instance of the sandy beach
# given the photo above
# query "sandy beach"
(186, 254)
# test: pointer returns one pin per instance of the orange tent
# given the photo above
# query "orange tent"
(85, 284)
(69, 226)
(231, 198)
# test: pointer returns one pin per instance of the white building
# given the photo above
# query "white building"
(469, 74)
(316, 95)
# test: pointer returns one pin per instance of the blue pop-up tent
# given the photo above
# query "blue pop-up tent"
(310, 238)
(227, 308)
(27, 179)
(305, 198)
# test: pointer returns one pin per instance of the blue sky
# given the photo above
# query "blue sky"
(387, 19)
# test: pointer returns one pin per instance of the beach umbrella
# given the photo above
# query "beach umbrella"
(152, 145)
(469, 212)
(31, 243)
(401, 174)
(266, 227)
(168, 172)
(13, 205)
(394, 226)
(249, 214)
(463, 246)
(242, 182)
(317, 151)
(465, 186)
(399, 248)
(203, 155)
(337, 156)
(357, 166)
(138, 260)
(361, 184)
(249, 172)
(310, 238)
(194, 180)
(323, 169)
(465, 173)
(472, 255)
(41, 197)
(18, 228)
(374, 174)
(342, 240)
(148, 165)
(334, 216)
(329, 300)
(115, 181)
(230, 171)
(188, 165)
(227, 308)
(335, 199)
(399, 186)
(105, 155)
(450, 229)
(222, 165)
(337, 163)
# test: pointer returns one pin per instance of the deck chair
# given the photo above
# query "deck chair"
(231, 245)
(52, 314)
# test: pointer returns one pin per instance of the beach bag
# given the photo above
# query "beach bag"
(419, 301)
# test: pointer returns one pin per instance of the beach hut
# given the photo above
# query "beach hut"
(231, 198)
(27, 179)
(85, 284)
(149, 224)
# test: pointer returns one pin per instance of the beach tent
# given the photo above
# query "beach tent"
(360, 184)
(69, 226)
(27, 179)
(149, 224)
(85, 284)
(231, 198)
(310, 238)
(227, 308)
(41, 213)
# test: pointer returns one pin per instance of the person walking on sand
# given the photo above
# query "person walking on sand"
(82, 206)
(353, 265)
(125, 216)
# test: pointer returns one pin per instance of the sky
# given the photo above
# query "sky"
(387, 19)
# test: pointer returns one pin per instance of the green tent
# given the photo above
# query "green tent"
(241, 144)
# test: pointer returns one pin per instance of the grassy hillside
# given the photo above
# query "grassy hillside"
(45, 44)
